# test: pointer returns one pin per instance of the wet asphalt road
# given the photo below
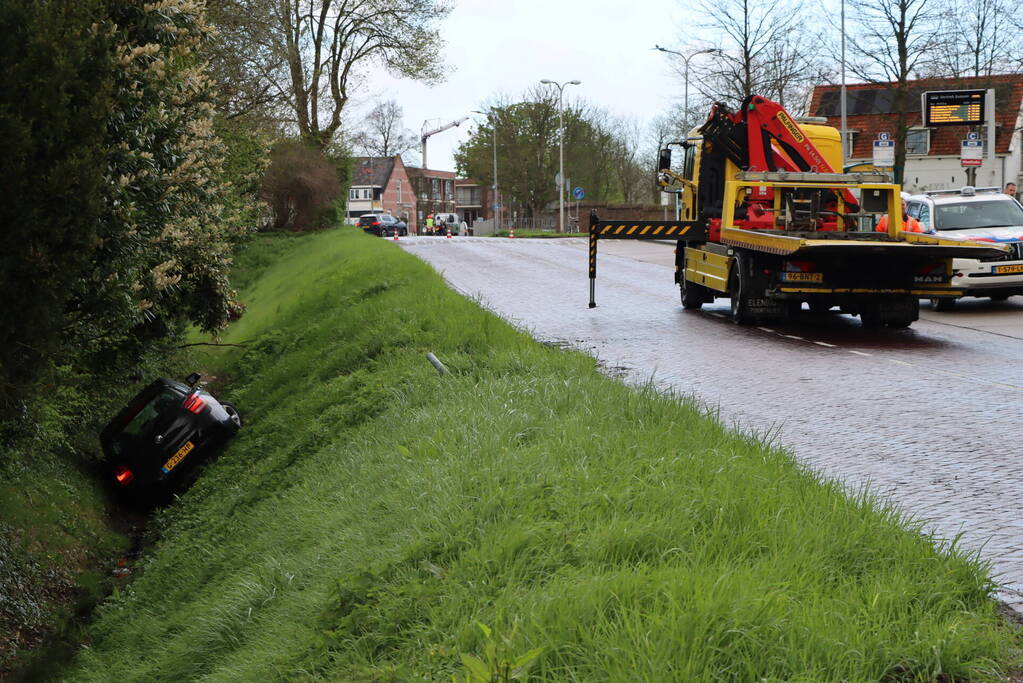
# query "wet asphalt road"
(930, 416)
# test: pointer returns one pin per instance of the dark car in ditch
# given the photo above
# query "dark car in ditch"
(163, 433)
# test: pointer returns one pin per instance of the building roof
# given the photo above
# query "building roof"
(416, 172)
(372, 171)
(870, 109)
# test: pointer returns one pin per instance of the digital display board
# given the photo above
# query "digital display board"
(954, 108)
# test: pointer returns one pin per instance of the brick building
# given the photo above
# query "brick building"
(932, 159)
(474, 201)
(382, 185)
(435, 191)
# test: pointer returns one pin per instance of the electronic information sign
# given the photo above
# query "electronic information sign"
(954, 108)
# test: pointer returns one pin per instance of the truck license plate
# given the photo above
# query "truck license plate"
(1011, 268)
(802, 277)
(178, 457)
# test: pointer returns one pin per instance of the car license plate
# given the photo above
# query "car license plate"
(1011, 268)
(178, 457)
(802, 277)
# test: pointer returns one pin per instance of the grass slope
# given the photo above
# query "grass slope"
(372, 514)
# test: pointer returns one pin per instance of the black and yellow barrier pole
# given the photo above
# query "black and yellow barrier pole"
(593, 258)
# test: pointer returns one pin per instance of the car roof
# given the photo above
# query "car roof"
(959, 198)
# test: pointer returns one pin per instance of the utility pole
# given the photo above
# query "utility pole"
(561, 148)
(496, 205)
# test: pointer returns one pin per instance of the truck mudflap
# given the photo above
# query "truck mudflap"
(683, 232)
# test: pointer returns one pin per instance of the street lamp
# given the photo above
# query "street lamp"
(685, 60)
(561, 149)
(495, 205)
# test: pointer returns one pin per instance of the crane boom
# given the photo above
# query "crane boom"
(425, 134)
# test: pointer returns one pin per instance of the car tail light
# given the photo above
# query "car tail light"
(194, 404)
(376, 222)
(123, 475)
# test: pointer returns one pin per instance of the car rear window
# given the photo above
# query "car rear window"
(138, 425)
(367, 220)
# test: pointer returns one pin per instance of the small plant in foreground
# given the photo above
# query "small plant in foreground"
(498, 665)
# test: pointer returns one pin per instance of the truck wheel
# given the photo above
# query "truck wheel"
(693, 295)
(870, 315)
(739, 290)
(944, 304)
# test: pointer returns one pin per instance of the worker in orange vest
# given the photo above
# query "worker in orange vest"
(909, 224)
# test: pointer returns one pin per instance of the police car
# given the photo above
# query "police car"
(982, 214)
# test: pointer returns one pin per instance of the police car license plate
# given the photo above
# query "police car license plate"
(1011, 268)
(802, 277)
(178, 457)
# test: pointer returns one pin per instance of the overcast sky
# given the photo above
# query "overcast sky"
(502, 48)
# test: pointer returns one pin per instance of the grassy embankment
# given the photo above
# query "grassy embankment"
(372, 514)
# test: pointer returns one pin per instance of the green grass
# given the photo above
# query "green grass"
(372, 514)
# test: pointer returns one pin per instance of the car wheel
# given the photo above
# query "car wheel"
(944, 304)
(232, 413)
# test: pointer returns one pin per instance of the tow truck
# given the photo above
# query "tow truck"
(766, 221)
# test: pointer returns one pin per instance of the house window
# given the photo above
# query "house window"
(367, 193)
(918, 141)
(449, 190)
(435, 188)
(353, 194)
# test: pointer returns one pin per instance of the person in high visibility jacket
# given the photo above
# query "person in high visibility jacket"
(909, 224)
(429, 224)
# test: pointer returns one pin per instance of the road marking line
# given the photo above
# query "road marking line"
(900, 362)
(766, 329)
(858, 353)
(830, 346)
(792, 336)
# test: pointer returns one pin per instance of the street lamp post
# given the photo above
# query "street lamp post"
(561, 149)
(685, 76)
(495, 205)
(685, 102)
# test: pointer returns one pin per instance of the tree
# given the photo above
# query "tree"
(891, 41)
(383, 132)
(116, 225)
(763, 49)
(248, 69)
(974, 39)
(325, 46)
(299, 186)
(600, 154)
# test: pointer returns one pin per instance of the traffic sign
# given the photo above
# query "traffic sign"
(884, 150)
(578, 193)
(972, 153)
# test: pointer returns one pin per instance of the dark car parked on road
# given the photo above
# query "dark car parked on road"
(165, 431)
(382, 224)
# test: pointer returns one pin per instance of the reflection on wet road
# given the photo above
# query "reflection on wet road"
(928, 416)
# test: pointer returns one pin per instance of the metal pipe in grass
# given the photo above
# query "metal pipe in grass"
(436, 363)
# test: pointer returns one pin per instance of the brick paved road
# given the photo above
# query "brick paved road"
(929, 417)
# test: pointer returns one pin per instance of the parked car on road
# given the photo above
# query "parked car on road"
(165, 431)
(982, 214)
(382, 224)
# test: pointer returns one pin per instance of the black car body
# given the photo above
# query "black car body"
(382, 224)
(165, 431)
